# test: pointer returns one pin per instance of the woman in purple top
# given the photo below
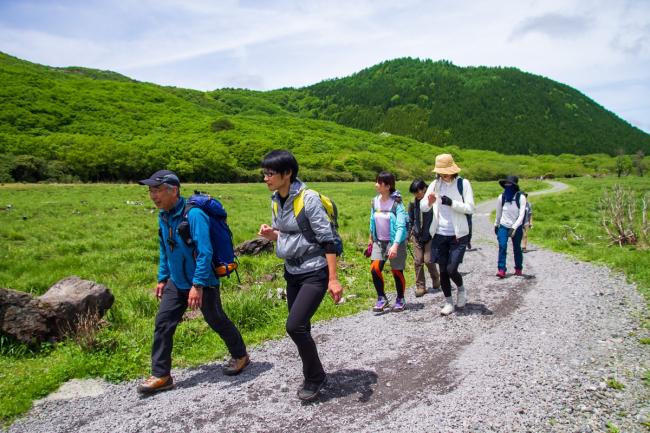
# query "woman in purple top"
(388, 220)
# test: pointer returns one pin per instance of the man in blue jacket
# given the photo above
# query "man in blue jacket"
(185, 278)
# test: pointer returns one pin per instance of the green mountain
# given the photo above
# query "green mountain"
(501, 109)
(68, 124)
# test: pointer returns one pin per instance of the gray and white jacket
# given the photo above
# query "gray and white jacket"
(291, 243)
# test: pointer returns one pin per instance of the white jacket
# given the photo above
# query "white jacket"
(461, 206)
(510, 215)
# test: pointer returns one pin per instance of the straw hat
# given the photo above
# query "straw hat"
(445, 164)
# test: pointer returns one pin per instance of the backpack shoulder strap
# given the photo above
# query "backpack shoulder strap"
(299, 203)
(393, 208)
(460, 186)
(188, 208)
(518, 198)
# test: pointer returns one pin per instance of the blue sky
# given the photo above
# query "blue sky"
(602, 48)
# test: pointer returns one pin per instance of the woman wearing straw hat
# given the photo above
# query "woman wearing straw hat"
(452, 201)
(511, 211)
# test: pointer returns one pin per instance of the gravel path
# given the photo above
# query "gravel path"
(527, 354)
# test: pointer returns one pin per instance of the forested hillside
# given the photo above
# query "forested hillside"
(501, 109)
(79, 124)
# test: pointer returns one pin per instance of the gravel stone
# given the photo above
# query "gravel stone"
(519, 357)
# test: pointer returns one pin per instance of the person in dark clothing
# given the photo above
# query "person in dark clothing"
(309, 259)
(185, 278)
(420, 222)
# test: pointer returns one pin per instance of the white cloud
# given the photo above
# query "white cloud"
(266, 44)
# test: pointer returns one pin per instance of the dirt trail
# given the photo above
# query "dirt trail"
(526, 354)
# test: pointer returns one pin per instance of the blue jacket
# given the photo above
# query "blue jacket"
(398, 221)
(178, 263)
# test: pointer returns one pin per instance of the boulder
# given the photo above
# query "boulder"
(24, 317)
(254, 247)
(56, 313)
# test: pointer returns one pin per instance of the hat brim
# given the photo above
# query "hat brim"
(150, 182)
(453, 169)
(503, 182)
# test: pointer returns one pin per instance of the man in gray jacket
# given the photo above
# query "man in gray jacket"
(309, 253)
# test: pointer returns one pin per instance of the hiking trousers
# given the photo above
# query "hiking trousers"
(422, 258)
(172, 306)
(448, 252)
(305, 292)
(502, 237)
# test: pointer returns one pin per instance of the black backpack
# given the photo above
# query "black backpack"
(459, 185)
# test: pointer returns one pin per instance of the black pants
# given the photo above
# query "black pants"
(448, 252)
(304, 294)
(172, 306)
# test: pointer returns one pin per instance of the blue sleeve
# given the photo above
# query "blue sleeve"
(372, 222)
(200, 231)
(163, 266)
(400, 223)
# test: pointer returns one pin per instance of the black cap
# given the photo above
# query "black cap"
(160, 177)
(510, 179)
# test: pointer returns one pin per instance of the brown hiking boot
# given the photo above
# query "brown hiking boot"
(155, 384)
(235, 365)
(420, 291)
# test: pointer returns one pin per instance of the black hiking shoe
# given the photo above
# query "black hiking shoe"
(310, 390)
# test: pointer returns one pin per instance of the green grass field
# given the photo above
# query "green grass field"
(570, 222)
(108, 233)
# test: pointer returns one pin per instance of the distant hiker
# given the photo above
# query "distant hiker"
(452, 200)
(309, 252)
(185, 278)
(388, 232)
(511, 208)
(528, 224)
(420, 223)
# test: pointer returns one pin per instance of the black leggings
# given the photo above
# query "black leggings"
(304, 294)
(448, 252)
(376, 269)
(449, 273)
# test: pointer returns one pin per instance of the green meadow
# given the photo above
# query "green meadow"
(108, 233)
(570, 222)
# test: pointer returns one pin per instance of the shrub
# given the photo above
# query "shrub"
(621, 219)
(222, 124)
(6, 167)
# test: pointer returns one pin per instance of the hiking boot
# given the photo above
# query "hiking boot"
(399, 305)
(382, 305)
(519, 273)
(420, 291)
(310, 390)
(501, 273)
(461, 299)
(447, 309)
(155, 384)
(235, 365)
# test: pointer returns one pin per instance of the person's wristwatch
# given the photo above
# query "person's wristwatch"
(198, 286)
